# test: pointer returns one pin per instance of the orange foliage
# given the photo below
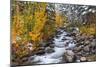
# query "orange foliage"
(59, 20)
(40, 19)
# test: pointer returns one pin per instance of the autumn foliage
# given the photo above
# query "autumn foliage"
(31, 22)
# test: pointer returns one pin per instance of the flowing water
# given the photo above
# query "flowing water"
(62, 42)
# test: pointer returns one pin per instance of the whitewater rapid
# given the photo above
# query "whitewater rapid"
(61, 43)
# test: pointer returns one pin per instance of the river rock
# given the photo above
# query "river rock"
(83, 59)
(24, 59)
(57, 36)
(69, 56)
(49, 50)
(51, 46)
(93, 51)
(79, 53)
(64, 39)
(86, 48)
(40, 52)
(76, 49)
(68, 35)
(43, 44)
(87, 42)
(79, 42)
(31, 58)
(91, 37)
(70, 52)
(41, 48)
(73, 34)
(93, 44)
(59, 32)
(82, 43)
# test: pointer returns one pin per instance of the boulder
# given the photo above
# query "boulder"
(69, 56)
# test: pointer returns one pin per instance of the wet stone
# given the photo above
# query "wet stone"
(57, 36)
(40, 52)
(68, 35)
(51, 46)
(49, 50)
(64, 39)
